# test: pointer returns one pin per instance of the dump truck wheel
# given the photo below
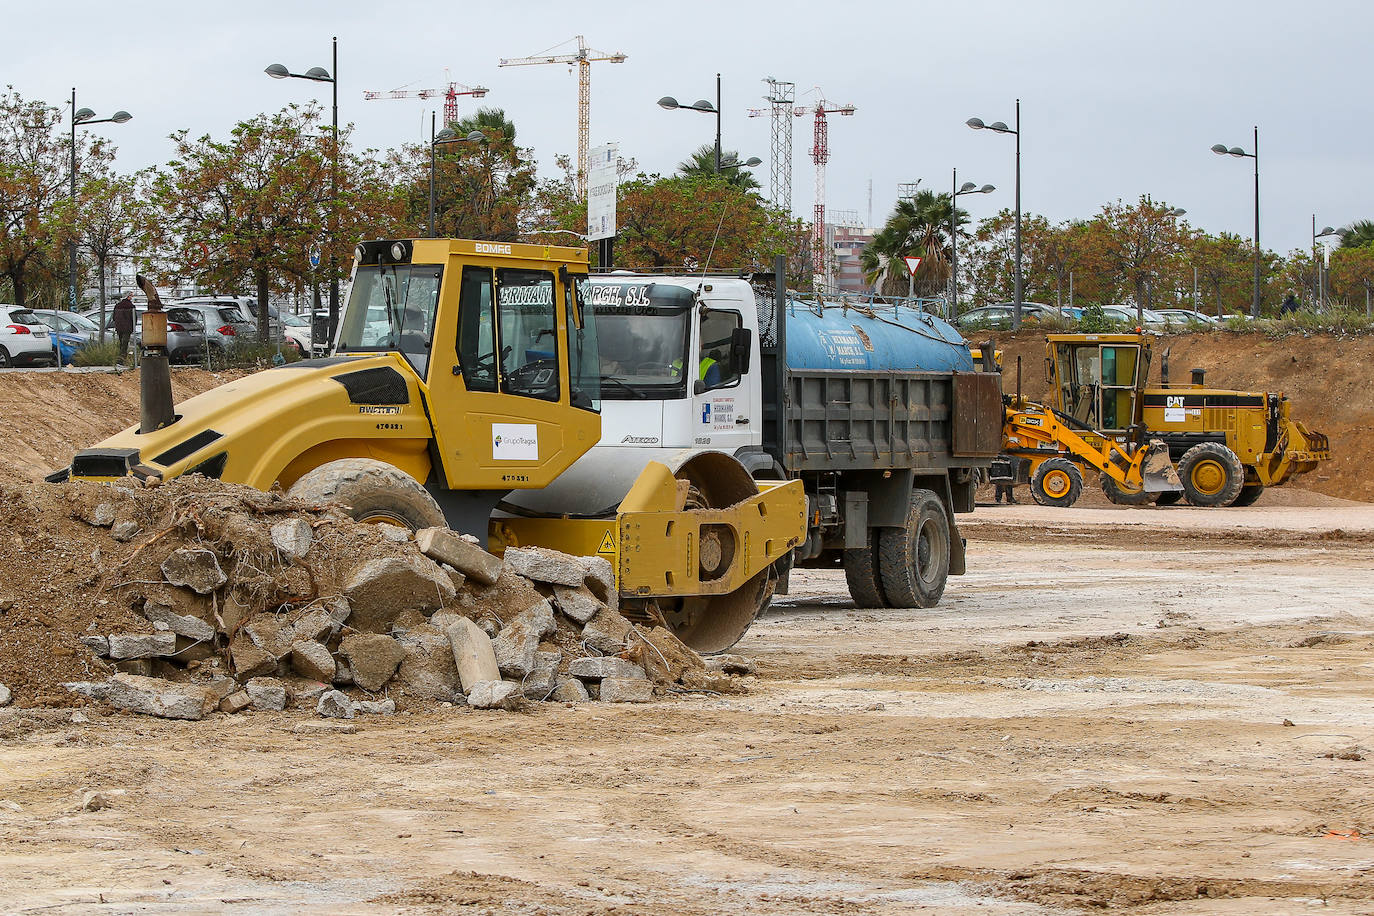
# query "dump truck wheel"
(1112, 490)
(371, 491)
(1168, 497)
(1248, 494)
(1057, 482)
(1212, 475)
(861, 574)
(913, 561)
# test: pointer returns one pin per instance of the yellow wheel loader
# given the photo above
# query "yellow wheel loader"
(1227, 445)
(463, 371)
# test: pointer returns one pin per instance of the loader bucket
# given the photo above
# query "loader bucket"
(1157, 471)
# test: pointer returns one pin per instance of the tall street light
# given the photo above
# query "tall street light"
(82, 116)
(1000, 127)
(321, 75)
(447, 135)
(1318, 262)
(957, 191)
(669, 103)
(1222, 149)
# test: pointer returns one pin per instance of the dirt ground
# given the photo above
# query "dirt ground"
(1176, 721)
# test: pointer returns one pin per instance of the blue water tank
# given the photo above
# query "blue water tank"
(833, 335)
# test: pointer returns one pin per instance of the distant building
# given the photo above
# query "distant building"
(847, 237)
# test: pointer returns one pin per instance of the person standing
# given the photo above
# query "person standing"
(123, 325)
(1290, 304)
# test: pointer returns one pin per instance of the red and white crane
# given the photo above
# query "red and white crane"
(450, 95)
(820, 154)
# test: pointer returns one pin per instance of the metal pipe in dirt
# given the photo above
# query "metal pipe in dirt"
(155, 373)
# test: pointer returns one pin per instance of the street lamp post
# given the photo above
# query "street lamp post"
(1000, 127)
(955, 192)
(87, 117)
(1318, 260)
(321, 75)
(1222, 149)
(668, 103)
(447, 135)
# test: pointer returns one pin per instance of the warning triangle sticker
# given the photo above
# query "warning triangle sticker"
(607, 543)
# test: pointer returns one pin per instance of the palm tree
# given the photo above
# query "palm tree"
(918, 226)
(1358, 234)
(489, 121)
(702, 164)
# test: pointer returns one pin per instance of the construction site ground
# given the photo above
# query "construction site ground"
(1158, 710)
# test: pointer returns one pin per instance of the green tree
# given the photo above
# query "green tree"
(696, 223)
(917, 227)
(1142, 242)
(991, 259)
(1225, 268)
(1358, 234)
(110, 210)
(1352, 276)
(702, 164)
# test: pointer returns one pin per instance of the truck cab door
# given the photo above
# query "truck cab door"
(724, 400)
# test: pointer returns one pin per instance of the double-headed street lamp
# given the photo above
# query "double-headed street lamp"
(1326, 232)
(1000, 127)
(321, 75)
(1222, 149)
(87, 117)
(669, 103)
(957, 191)
(736, 164)
(447, 135)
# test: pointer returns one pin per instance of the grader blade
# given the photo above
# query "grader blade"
(1157, 471)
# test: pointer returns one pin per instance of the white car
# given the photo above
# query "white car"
(296, 330)
(24, 340)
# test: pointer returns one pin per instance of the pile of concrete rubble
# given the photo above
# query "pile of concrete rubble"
(252, 601)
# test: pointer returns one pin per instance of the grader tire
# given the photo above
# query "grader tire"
(371, 491)
(1212, 475)
(861, 575)
(1057, 482)
(1117, 496)
(913, 561)
(1248, 494)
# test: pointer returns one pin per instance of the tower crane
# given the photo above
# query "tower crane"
(820, 154)
(781, 109)
(583, 58)
(450, 95)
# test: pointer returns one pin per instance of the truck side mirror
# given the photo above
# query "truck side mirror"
(739, 350)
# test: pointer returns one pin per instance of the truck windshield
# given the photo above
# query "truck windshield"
(392, 309)
(641, 336)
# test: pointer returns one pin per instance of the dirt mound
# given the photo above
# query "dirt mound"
(1323, 376)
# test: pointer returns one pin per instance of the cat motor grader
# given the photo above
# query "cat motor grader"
(463, 371)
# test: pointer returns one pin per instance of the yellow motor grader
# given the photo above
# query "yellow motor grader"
(462, 371)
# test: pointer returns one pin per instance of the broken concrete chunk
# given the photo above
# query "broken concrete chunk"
(517, 644)
(5, 695)
(730, 664)
(380, 589)
(372, 657)
(181, 624)
(449, 547)
(600, 578)
(495, 695)
(218, 687)
(143, 667)
(196, 568)
(249, 660)
(578, 604)
(394, 533)
(124, 530)
(472, 654)
(376, 707)
(147, 696)
(570, 690)
(292, 538)
(102, 516)
(101, 798)
(343, 675)
(313, 660)
(544, 565)
(335, 704)
(607, 632)
(267, 633)
(428, 669)
(267, 693)
(142, 645)
(539, 684)
(100, 645)
(594, 669)
(626, 690)
(236, 702)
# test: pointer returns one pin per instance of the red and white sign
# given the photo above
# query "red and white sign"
(912, 264)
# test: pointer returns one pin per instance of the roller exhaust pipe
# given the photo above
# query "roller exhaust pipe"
(155, 373)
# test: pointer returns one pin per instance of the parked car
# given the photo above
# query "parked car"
(226, 324)
(296, 329)
(1186, 318)
(1127, 315)
(72, 323)
(24, 340)
(999, 316)
(185, 331)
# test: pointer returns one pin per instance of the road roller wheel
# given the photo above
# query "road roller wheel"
(913, 561)
(1057, 482)
(371, 491)
(861, 575)
(1112, 490)
(1212, 475)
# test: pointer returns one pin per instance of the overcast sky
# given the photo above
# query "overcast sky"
(1119, 98)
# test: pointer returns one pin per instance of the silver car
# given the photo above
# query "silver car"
(225, 324)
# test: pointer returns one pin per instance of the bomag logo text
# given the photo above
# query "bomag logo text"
(489, 248)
